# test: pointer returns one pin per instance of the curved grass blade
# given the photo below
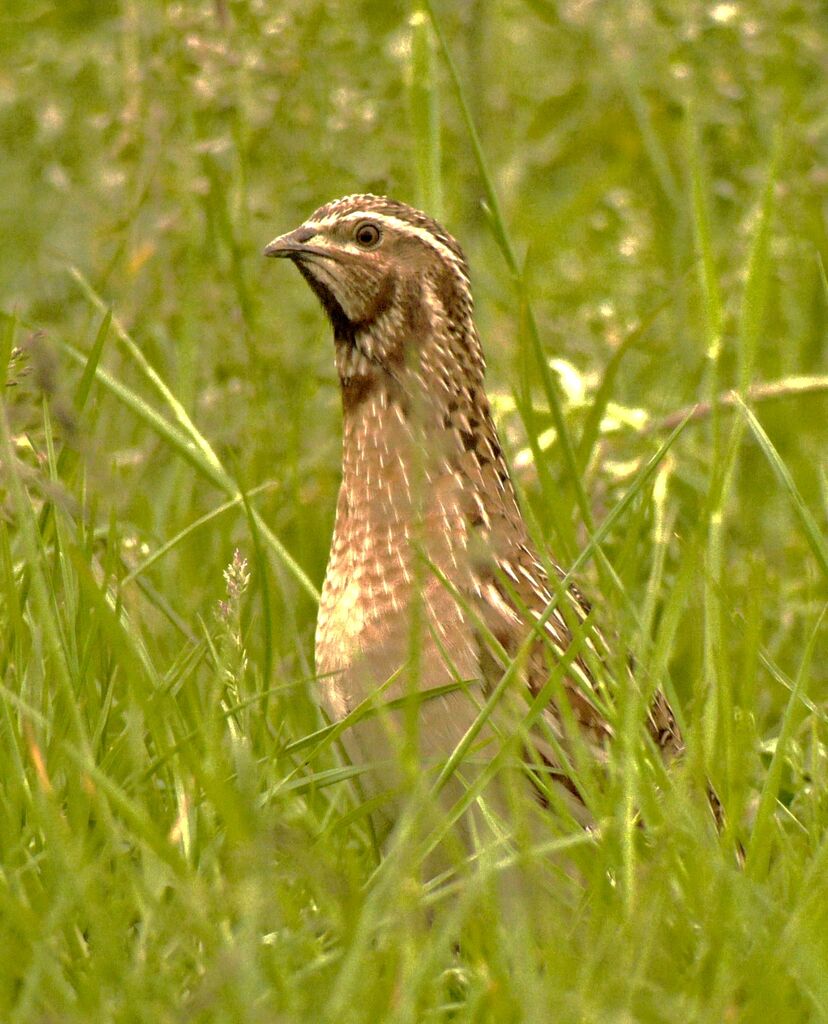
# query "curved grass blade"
(813, 534)
(188, 449)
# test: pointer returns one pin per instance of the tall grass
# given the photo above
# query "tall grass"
(181, 836)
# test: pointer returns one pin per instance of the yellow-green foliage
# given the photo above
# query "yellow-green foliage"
(640, 190)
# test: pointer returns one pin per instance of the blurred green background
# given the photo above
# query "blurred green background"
(157, 147)
(662, 173)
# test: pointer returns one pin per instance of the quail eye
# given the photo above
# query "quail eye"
(367, 234)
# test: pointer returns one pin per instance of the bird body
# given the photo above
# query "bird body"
(432, 576)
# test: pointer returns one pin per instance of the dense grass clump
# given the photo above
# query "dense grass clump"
(641, 195)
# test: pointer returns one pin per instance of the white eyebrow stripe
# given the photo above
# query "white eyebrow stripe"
(400, 225)
(318, 225)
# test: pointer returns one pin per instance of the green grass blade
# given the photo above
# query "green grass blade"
(813, 534)
(424, 112)
(84, 385)
(184, 446)
(180, 414)
(761, 836)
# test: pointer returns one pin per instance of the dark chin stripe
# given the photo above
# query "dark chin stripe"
(343, 328)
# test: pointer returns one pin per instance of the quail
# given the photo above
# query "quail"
(432, 576)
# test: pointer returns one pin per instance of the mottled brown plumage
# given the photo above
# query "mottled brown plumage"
(429, 536)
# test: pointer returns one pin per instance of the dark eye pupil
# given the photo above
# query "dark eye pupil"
(367, 234)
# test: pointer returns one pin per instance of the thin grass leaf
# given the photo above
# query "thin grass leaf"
(84, 385)
(755, 292)
(625, 70)
(424, 112)
(180, 414)
(128, 810)
(758, 849)
(182, 535)
(7, 338)
(186, 448)
(47, 622)
(813, 534)
(595, 415)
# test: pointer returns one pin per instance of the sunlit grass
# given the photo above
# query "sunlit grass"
(181, 836)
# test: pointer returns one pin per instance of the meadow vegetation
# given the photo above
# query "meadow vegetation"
(640, 190)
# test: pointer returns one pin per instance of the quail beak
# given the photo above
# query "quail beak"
(294, 245)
